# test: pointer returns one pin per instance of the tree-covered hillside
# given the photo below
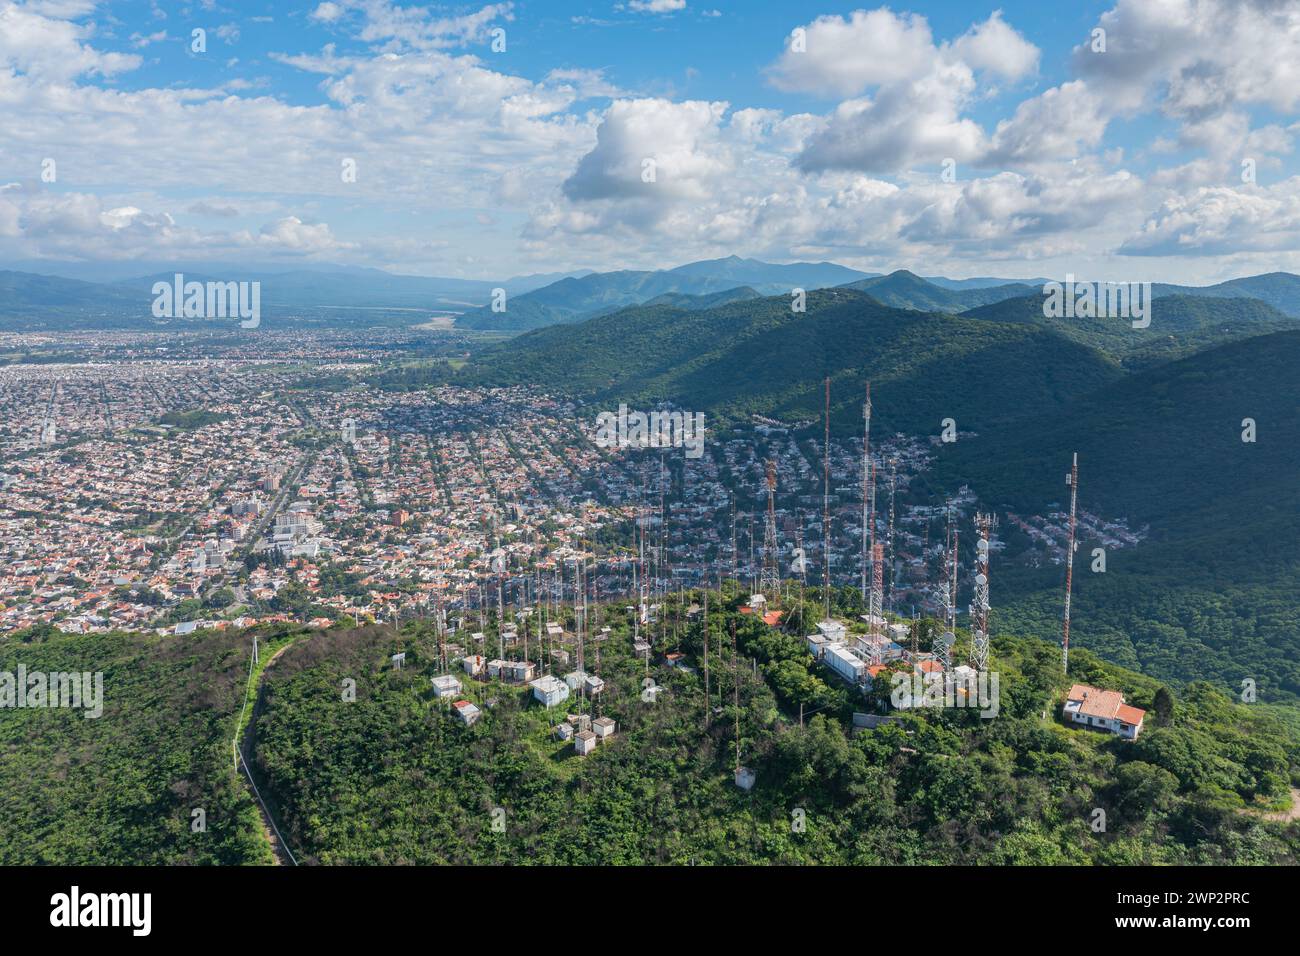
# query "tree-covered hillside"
(122, 788)
(1210, 594)
(1180, 325)
(761, 357)
(392, 777)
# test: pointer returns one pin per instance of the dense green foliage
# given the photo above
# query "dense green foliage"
(1180, 325)
(121, 788)
(760, 357)
(393, 778)
(1210, 594)
(1279, 289)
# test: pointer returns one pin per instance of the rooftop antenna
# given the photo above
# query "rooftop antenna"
(1073, 481)
(770, 583)
(979, 608)
(826, 505)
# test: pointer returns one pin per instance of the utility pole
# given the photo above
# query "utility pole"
(826, 506)
(1073, 481)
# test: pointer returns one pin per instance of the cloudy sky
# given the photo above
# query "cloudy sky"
(1138, 139)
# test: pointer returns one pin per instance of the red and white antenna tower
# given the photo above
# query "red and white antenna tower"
(877, 597)
(1073, 481)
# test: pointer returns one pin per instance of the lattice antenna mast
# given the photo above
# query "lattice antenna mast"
(979, 607)
(944, 647)
(866, 481)
(877, 594)
(663, 533)
(874, 607)
(1073, 482)
(889, 538)
(770, 583)
(826, 506)
(753, 565)
(735, 555)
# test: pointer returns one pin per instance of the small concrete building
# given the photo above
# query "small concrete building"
(466, 711)
(584, 742)
(575, 679)
(550, 690)
(593, 685)
(833, 631)
(445, 685)
(603, 727)
(564, 731)
(474, 664)
(838, 659)
(519, 672)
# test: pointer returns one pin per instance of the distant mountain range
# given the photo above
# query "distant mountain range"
(576, 299)
(35, 300)
(906, 290)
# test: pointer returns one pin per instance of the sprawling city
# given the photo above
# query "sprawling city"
(645, 435)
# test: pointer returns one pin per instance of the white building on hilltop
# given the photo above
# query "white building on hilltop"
(1102, 710)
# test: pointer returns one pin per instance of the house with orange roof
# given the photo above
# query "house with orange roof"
(1102, 710)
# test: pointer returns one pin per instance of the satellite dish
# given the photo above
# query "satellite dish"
(981, 580)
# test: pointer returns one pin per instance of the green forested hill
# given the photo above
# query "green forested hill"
(1180, 325)
(121, 789)
(1211, 593)
(760, 357)
(393, 778)
(1279, 289)
(906, 290)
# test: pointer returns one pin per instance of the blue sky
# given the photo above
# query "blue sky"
(1125, 162)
